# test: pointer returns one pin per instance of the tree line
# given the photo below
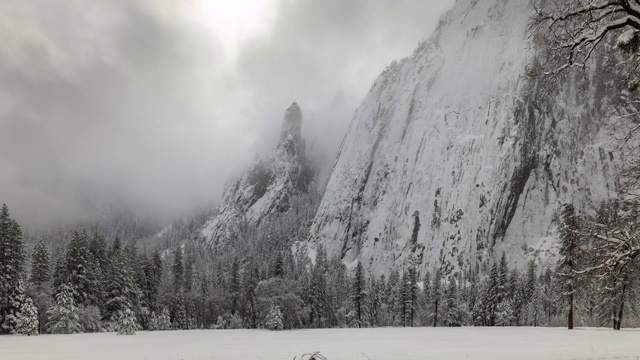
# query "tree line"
(99, 284)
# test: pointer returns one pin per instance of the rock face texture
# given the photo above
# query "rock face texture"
(456, 154)
(267, 187)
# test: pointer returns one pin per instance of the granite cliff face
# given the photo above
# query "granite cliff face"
(456, 154)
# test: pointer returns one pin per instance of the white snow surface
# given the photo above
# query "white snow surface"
(497, 343)
(458, 133)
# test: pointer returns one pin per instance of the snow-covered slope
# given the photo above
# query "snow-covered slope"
(267, 187)
(459, 139)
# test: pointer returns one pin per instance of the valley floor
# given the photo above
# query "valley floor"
(336, 344)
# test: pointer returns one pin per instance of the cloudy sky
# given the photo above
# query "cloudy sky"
(154, 104)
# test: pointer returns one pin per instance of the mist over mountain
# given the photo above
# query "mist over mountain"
(153, 107)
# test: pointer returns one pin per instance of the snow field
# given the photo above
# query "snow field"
(336, 344)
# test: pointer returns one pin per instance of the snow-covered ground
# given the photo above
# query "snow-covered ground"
(335, 344)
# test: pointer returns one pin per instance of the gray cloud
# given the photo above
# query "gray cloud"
(125, 102)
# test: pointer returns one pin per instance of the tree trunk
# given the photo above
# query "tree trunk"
(435, 314)
(620, 311)
(570, 317)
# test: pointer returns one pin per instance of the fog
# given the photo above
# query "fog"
(154, 105)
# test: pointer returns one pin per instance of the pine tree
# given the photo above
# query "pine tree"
(452, 316)
(64, 315)
(394, 299)
(250, 280)
(278, 266)
(517, 296)
(40, 265)
(188, 274)
(358, 293)
(79, 268)
(161, 321)
(12, 259)
(121, 291)
(178, 271)
(273, 320)
(164, 320)
(22, 316)
(492, 295)
(234, 286)
(59, 273)
(27, 322)
(504, 313)
(180, 321)
(99, 267)
(127, 324)
(436, 295)
(410, 296)
(569, 242)
(535, 306)
(98, 249)
(154, 274)
(503, 284)
(317, 292)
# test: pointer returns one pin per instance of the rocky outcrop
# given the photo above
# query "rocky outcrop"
(266, 187)
(456, 154)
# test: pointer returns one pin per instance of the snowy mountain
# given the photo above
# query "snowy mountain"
(456, 154)
(267, 187)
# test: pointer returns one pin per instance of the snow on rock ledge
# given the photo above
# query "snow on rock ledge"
(267, 186)
(456, 138)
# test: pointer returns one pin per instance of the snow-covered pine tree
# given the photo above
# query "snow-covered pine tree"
(64, 314)
(503, 273)
(278, 265)
(479, 311)
(22, 316)
(234, 286)
(404, 298)
(273, 320)
(504, 313)
(164, 320)
(80, 270)
(373, 302)
(359, 293)
(410, 294)
(98, 249)
(535, 306)
(394, 299)
(12, 259)
(27, 322)
(180, 318)
(177, 270)
(517, 296)
(121, 291)
(423, 301)
(126, 323)
(160, 321)
(188, 274)
(318, 292)
(549, 295)
(40, 265)
(192, 320)
(40, 278)
(569, 242)
(436, 295)
(154, 278)
(59, 272)
(250, 280)
(452, 316)
(492, 294)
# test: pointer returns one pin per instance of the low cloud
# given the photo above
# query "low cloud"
(136, 104)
